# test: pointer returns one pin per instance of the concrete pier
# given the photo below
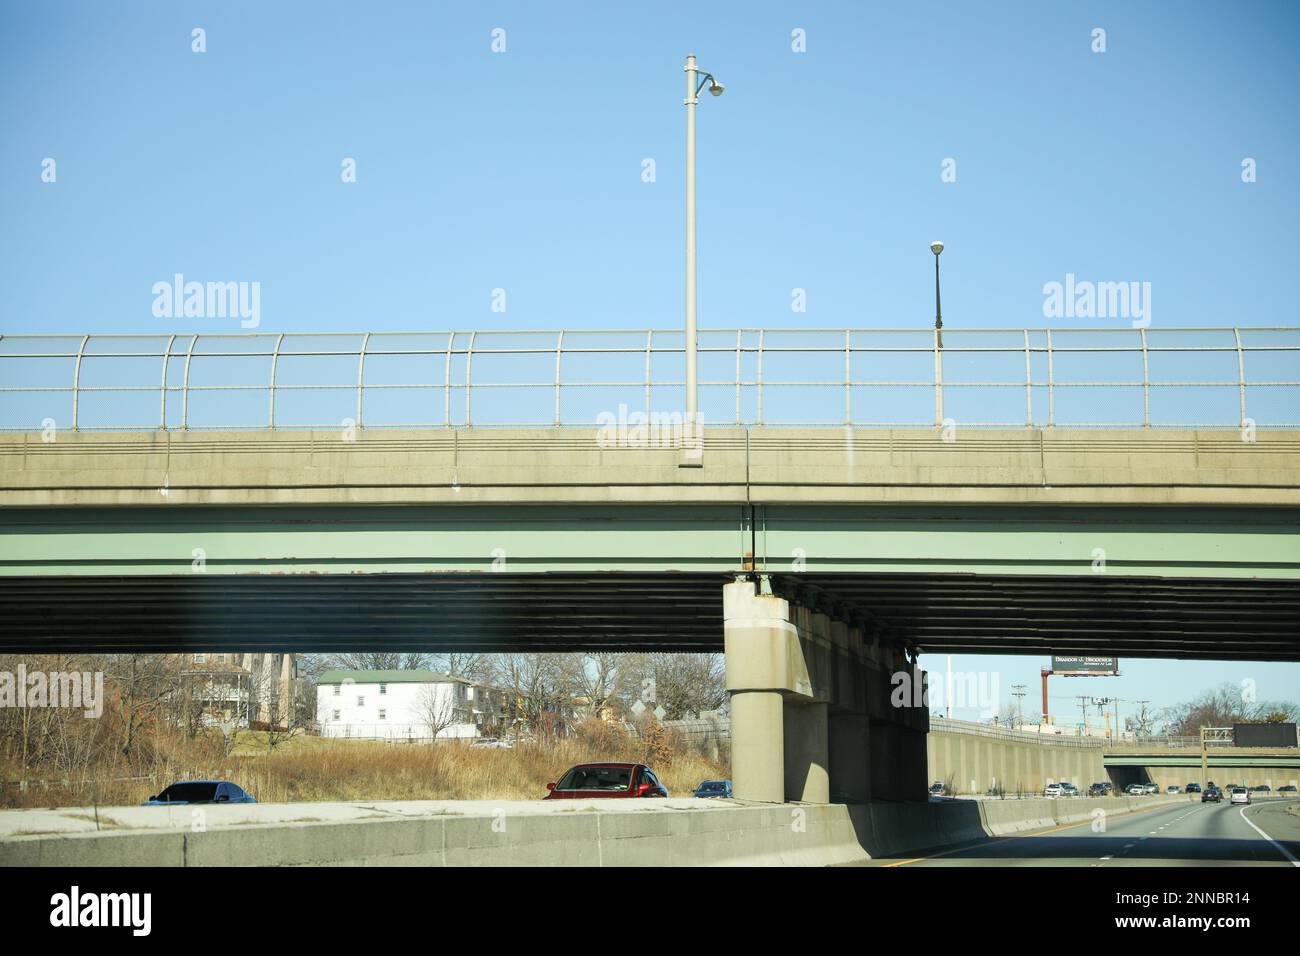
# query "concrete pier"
(812, 714)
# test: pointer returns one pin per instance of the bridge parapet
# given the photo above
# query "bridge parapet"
(737, 465)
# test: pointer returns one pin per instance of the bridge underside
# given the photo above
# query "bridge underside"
(1230, 618)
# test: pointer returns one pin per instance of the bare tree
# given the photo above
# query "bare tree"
(1223, 706)
(684, 685)
(435, 706)
(536, 681)
(146, 684)
(377, 661)
(594, 678)
(473, 667)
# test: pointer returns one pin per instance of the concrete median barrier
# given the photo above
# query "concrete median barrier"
(675, 832)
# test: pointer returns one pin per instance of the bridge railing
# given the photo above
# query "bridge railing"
(897, 378)
(949, 725)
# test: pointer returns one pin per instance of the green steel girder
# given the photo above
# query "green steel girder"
(1212, 542)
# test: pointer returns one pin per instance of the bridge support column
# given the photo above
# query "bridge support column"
(757, 745)
(812, 714)
(773, 708)
(849, 750)
(807, 765)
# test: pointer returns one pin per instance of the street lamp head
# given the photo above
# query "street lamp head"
(936, 247)
(716, 88)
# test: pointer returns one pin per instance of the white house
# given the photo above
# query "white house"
(395, 705)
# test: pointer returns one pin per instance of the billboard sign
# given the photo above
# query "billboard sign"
(1263, 735)
(1085, 666)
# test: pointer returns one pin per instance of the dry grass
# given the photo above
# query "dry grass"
(309, 769)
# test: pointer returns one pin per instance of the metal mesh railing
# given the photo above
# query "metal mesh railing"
(997, 378)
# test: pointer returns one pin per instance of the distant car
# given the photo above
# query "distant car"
(1173, 788)
(1052, 790)
(1239, 795)
(200, 791)
(936, 789)
(1211, 795)
(714, 789)
(1150, 788)
(594, 780)
(1099, 790)
(1261, 788)
(1288, 788)
(1192, 788)
(1135, 789)
(1068, 789)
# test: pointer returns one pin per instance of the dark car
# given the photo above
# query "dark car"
(1261, 788)
(1099, 790)
(714, 789)
(588, 780)
(936, 789)
(1192, 788)
(1288, 788)
(200, 791)
(1211, 795)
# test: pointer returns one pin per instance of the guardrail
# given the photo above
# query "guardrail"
(1019, 736)
(903, 378)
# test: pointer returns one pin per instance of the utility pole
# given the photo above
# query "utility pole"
(1083, 700)
(1018, 692)
(1102, 702)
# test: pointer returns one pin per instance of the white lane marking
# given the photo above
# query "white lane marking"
(1281, 849)
(1129, 846)
(1106, 858)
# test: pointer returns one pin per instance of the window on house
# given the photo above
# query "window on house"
(338, 689)
(383, 714)
(383, 689)
(361, 702)
(336, 715)
(200, 658)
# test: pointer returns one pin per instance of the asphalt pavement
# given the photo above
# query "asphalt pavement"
(1266, 833)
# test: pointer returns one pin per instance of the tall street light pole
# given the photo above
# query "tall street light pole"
(937, 247)
(694, 83)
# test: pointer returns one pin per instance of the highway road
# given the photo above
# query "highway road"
(1266, 833)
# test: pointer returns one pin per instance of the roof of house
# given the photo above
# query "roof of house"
(412, 676)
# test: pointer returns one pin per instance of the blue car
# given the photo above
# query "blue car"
(200, 791)
(714, 789)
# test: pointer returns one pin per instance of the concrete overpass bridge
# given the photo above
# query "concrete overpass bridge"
(821, 557)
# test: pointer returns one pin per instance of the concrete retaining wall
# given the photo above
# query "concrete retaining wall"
(974, 763)
(664, 833)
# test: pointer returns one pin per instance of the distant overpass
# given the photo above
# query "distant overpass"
(973, 758)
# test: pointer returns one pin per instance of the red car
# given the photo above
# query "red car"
(588, 780)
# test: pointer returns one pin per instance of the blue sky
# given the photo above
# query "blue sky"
(522, 170)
